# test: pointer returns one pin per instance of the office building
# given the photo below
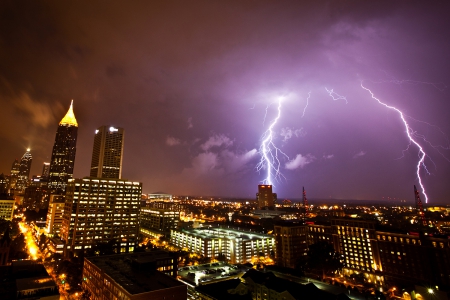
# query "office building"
(15, 170)
(291, 243)
(100, 211)
(266, 199)
(55, 214)
(24, 171)
(236, 246)
(45, 171)
(137, 276)
(63, 153)
(156, 222)
(107, 154)
(319, 233)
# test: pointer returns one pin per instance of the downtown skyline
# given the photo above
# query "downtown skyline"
(191, 85)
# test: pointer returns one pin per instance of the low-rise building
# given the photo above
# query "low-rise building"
(134, 276)
(236, 246)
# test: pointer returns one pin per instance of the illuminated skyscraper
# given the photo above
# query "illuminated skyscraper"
(15, 169)
(24, 170)
(266, 199)
(63, 154)
(108, 153)
(46, 171)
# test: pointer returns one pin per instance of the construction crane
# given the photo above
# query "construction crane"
(419, 206)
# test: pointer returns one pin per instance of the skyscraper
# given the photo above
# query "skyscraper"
(63, 154)
(24, 170)
(45, 170)
(15, 169)
(266, 199)
(108, 153)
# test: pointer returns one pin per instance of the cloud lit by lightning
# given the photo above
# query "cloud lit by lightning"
(412, 136)
(269, 151)
(336, 96)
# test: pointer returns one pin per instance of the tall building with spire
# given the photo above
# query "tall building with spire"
(107, 154)
(63, 154)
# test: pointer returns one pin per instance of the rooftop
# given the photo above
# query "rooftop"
(136, 272)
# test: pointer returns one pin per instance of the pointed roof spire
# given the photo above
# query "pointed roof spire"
(69, 118)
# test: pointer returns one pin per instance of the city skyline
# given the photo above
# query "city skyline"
(196, 88)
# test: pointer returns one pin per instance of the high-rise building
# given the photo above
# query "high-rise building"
(45, 171)
(15, 169)
(24, 171)
(266, 199)
(101, 211)
(291, 243)
(55, 214)
(107, 154)
(63, 154)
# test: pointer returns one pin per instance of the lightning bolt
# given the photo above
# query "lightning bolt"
(269, 151)
(411, 134)
(336, 96)
(307, 102)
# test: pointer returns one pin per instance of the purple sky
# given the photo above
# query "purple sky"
(190, 82)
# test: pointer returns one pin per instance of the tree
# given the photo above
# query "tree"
(42, 240)
(321, 256)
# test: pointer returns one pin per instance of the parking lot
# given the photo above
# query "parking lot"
(207, 273)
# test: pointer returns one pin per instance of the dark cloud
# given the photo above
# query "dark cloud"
(190, 84)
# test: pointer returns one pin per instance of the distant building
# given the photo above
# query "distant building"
(15, 170)
(37, 194)
(266, 199)
(291, 243)
(45, 171)
(107, 154)
(24, 171)
(156, 222)
(63, 153)
(99, 211)
(55, 214)
(3, 184)
(236, 246)
(137, 276)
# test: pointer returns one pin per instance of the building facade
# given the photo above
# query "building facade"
(266, 199)
(63, 153)
(6, 208)
(107, 154)
(158, 221)
(236, 246)
(291, 243)
(100, 211)
(137, 276)
(55, 214)
(24, 171)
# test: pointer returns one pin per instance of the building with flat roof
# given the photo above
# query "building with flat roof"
(101, 211)
(107, 155)
(236, 246)
(134, 276)
(156, 222)
(291, 243)
(266, 199)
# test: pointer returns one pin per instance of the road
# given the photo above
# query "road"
(35, 253)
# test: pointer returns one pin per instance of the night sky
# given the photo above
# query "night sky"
(190, 82)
